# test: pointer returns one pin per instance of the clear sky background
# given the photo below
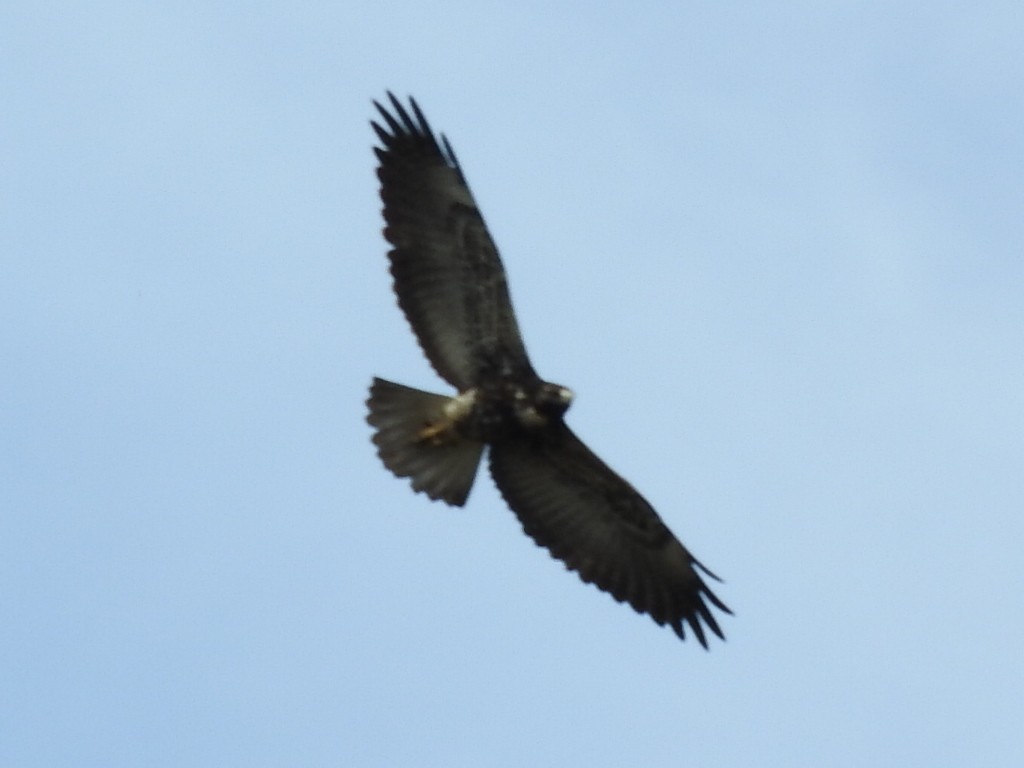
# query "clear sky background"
(777, 249)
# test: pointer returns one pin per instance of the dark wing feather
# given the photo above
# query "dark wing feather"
(448, 276)
(572, 503)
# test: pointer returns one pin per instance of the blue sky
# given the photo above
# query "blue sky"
(776, 249)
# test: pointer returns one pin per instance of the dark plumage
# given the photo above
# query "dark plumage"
(451, 284)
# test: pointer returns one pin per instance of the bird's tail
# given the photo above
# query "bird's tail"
(416, 438)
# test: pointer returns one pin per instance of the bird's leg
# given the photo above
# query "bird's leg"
(435, 432)
(445, 428)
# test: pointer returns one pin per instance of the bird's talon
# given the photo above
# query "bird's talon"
(432, 432)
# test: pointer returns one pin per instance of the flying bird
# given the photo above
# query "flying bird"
(451, 285)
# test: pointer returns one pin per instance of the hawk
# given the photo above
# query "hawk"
(451, 285)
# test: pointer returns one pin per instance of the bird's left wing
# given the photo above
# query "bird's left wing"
(448, 276)
(587, 516)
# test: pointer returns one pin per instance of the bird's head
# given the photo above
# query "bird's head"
(553, 399)
(537, 408)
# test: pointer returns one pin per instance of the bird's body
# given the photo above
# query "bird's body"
(451, 284)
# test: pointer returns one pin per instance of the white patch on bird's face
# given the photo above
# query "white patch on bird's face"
(529, 417)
